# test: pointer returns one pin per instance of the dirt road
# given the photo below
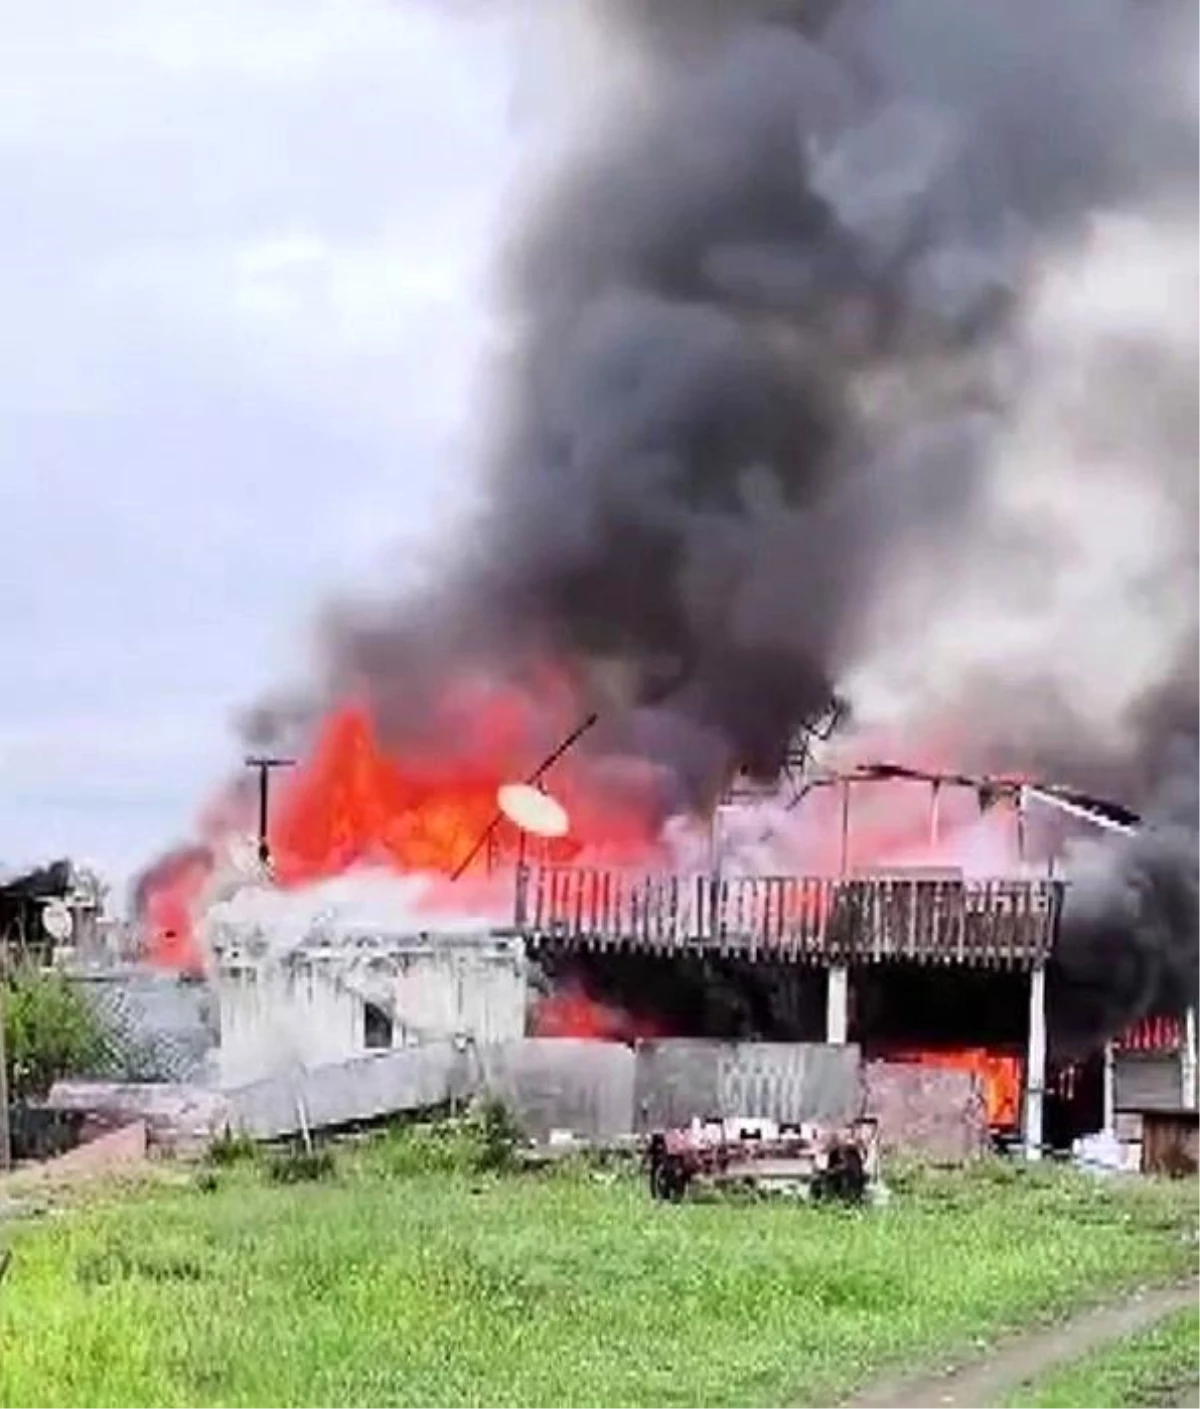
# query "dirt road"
(985, 1382)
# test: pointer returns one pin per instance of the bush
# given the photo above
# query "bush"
(498, 1134)
(485, 1140)
(444, 1146)
(51, 1030)
(228, 1149)
(298, 1165)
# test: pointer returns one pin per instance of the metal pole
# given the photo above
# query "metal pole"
(935, 798)
(265, 765)
(264, 800)
(844, 857)
(837, 991)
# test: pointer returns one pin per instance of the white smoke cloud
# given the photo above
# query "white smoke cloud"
(1071, 598)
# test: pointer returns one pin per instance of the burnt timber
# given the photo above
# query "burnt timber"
(1005, 923)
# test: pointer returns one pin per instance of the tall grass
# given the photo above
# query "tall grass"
(413, 1275)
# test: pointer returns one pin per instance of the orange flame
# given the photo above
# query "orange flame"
(417, 809)
(572, 1013)
(1000, 1075)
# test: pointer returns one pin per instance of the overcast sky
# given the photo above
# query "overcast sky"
(240, 291)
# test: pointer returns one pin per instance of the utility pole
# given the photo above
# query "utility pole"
(264, 764)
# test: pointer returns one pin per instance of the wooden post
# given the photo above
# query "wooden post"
(1110, 1088)
(1187, 1060)
(5, 1132)
(844, 853)
(1035, 1064)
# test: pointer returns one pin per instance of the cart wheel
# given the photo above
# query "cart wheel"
(668, 1179)
(845, 1178)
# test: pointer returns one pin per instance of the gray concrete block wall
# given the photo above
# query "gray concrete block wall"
(599, 1090)
(596, 1090)
(674, 1081)
(365, 1088)
(677, 1079)
(563, 1083)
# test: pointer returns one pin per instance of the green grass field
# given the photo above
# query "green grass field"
(382, 1285)
(1156, 1367)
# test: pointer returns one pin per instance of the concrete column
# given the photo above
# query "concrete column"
(1187, 1060)
(1035, 1064)
(837, 994)
(837, 1005)
(1110, 1088)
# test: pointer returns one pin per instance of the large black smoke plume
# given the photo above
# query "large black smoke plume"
(781, 405)
(761, 328)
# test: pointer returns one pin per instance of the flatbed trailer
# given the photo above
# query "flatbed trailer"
(804, 1160)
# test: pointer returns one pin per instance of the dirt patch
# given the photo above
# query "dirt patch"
(987, 1380)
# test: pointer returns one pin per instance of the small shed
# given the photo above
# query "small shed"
(1170, 1142)
(1160, 1141)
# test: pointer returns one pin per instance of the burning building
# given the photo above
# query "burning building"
(824, 374)
(596, 935)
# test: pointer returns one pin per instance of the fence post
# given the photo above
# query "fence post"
(5, 1133)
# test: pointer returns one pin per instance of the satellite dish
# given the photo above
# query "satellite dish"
(57, 921)
(533, 811)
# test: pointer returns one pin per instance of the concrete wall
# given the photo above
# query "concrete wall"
(563, 1083)
(595, 1089)
(447, 989)
(276, 1017)
(926, 1111)
(412, 1079)
(678, 1079)
(179, 1119)
(308, 1009)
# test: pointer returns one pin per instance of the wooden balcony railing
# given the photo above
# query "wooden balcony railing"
(1001, 923)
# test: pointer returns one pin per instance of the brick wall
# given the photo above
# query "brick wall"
(926, 1110)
